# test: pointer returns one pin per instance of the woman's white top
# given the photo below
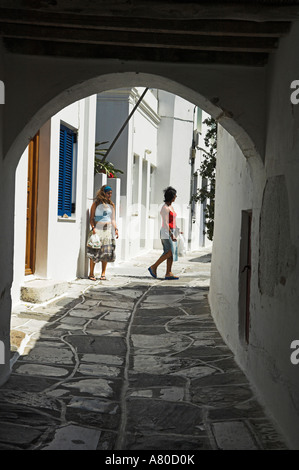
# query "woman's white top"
(103, 213)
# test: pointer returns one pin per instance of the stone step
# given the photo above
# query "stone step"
(42, 290)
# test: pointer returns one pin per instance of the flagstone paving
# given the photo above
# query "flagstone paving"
(133, 363)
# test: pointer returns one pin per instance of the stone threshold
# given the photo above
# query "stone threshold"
(42, 290)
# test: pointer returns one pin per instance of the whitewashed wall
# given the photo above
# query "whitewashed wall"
(244, 92)
(270, 189)
(276, 294)
(198, 231)
(64, 235)
(153, 151)
(60, 243)
(174, 149)
(138, 142)
(233, 195)
(20, 226)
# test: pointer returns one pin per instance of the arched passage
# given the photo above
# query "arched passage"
(87, 88)
(118, 80)
(253, 98)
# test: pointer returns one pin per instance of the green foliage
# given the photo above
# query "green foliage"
(207, 171)
(100, 164)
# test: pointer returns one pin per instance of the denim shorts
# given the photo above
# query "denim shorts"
(168, 244)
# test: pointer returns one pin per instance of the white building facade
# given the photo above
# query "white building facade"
(153, 151)
(53, 247)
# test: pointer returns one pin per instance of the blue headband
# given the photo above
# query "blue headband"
(107, 189)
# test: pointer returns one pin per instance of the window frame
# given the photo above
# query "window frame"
(67, 167)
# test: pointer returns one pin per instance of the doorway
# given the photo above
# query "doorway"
(245, 276)
(32, 190)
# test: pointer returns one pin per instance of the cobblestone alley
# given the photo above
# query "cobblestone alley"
(132, 363)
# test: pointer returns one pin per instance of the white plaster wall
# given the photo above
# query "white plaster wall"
(111, 113)
(139, 136)
(60, 243)
(165, 143)
(274, 298)
(20, 226)
(142, 135)
(233, 194)
(174, 147)
(242, 91)
(145, 130)
(87, 175)
(180, 175)
(271, 367)
(64, 235)
(80, 77)
(41, 262)
(144, 127)
(198, 228)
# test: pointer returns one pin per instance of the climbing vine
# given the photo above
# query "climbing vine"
(207, 170)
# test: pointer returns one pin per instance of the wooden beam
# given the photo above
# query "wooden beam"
(145, 40)
(250, 10)
(149, 25)
(101, 52)
(253, 11)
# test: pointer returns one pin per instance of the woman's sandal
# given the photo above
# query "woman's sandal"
(103, 278)
(152, 273)
(92, 278)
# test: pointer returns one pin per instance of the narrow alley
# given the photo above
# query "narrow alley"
(132, 363)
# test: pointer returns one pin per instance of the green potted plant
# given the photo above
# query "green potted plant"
(100, 163)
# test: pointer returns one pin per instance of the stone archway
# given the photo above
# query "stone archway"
(48, 108)
(251, 99)
(119, 80)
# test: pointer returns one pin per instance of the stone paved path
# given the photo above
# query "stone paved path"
(132, 363)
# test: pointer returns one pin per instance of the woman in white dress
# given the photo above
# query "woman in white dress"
(102, 221)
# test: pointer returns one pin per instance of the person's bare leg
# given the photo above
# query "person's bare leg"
(91, 270)
(104, 266)
(168, 266)
(159, 261)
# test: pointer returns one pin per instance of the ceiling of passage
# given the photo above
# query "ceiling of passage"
(197, 32)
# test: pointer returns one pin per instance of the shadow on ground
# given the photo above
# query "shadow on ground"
(133, 367)
(202, 259)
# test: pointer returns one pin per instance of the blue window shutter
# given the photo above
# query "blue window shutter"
(65, 171)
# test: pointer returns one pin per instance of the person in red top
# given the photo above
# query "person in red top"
(167, 235)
